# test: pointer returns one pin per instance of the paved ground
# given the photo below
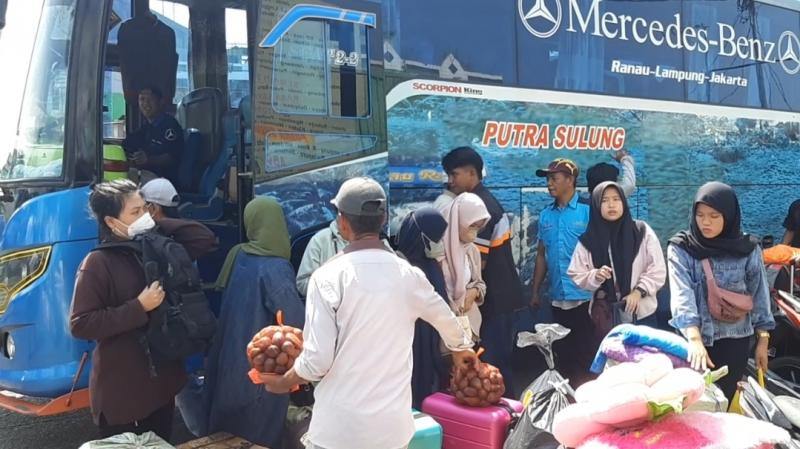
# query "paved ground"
(71, 430)
(59, 432)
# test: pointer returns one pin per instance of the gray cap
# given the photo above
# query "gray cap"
(361, 197)
(160, 191)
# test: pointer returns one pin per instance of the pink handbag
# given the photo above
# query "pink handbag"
(723, 304)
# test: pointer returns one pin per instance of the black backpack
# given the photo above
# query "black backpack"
(183, 325)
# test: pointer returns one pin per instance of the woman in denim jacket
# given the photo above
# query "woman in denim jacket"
(715, 233)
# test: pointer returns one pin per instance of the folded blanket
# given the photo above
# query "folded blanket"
(616, 350)
(694, 430)
(632, 335)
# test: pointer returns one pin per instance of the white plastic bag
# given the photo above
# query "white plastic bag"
(148, 440)
(712, 400)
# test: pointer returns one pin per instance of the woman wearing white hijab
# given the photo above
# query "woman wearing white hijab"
(466, 215)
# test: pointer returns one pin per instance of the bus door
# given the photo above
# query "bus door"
(319, 109)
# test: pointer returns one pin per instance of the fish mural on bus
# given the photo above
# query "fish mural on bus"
(518, 131)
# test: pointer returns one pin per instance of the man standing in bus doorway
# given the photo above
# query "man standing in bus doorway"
(156, 147)
(560, 226)
(464, 168)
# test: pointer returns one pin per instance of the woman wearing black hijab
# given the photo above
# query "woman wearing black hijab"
(715, 234)
(420, 242)
(619, 258)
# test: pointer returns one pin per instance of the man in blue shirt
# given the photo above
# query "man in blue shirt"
(158, 144)
(560, 226)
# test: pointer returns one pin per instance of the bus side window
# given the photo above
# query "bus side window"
(113, 105)
(176, 16)
(238, 60)
(322, 68)
(289, 150)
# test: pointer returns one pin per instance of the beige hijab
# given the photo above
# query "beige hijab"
(465, 210)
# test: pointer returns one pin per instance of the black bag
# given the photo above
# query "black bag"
(303, 397)
(547, 395)
(606, 315)
(183, 324)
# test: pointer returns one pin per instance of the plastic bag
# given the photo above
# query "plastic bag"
(544, 397)
(297, 421)
(757, 402)
(147, 440)
(191, 403)
(534, 426)
(543, 338)
(713, 400)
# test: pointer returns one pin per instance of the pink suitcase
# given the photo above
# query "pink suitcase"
(470, 427)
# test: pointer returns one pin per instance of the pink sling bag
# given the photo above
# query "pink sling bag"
(723, 304)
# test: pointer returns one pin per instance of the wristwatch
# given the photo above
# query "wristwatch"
(642, 291)
(763, 334)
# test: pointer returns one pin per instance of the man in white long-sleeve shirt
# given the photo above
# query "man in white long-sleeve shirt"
(360, 313)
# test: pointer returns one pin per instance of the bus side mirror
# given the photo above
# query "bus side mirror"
(3, 7)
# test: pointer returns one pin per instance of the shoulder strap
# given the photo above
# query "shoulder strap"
(129, 245)
(712, 283)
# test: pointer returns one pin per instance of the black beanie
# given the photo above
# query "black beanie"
(601, 172)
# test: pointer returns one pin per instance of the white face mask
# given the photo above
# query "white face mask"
(434, 250)
(141, 225)
(470, 236)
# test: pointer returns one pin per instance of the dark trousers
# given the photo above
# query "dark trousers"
(158, 422)
(576, 351)
(733, 352)
(497, 339)
(650, 320)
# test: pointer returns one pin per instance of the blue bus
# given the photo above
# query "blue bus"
(289, 98)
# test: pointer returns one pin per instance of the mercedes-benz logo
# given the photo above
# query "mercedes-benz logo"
(788, 51)
(539, 20)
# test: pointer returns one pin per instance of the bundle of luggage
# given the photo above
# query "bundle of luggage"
(646, 397)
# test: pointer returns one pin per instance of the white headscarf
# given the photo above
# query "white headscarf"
(464, 211)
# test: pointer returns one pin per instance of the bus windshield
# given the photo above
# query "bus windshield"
(38, 151)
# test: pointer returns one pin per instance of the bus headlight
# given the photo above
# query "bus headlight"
(10, 347)
(19, 269)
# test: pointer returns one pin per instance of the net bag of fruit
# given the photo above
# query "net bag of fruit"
(274, 349)
(478, 385)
